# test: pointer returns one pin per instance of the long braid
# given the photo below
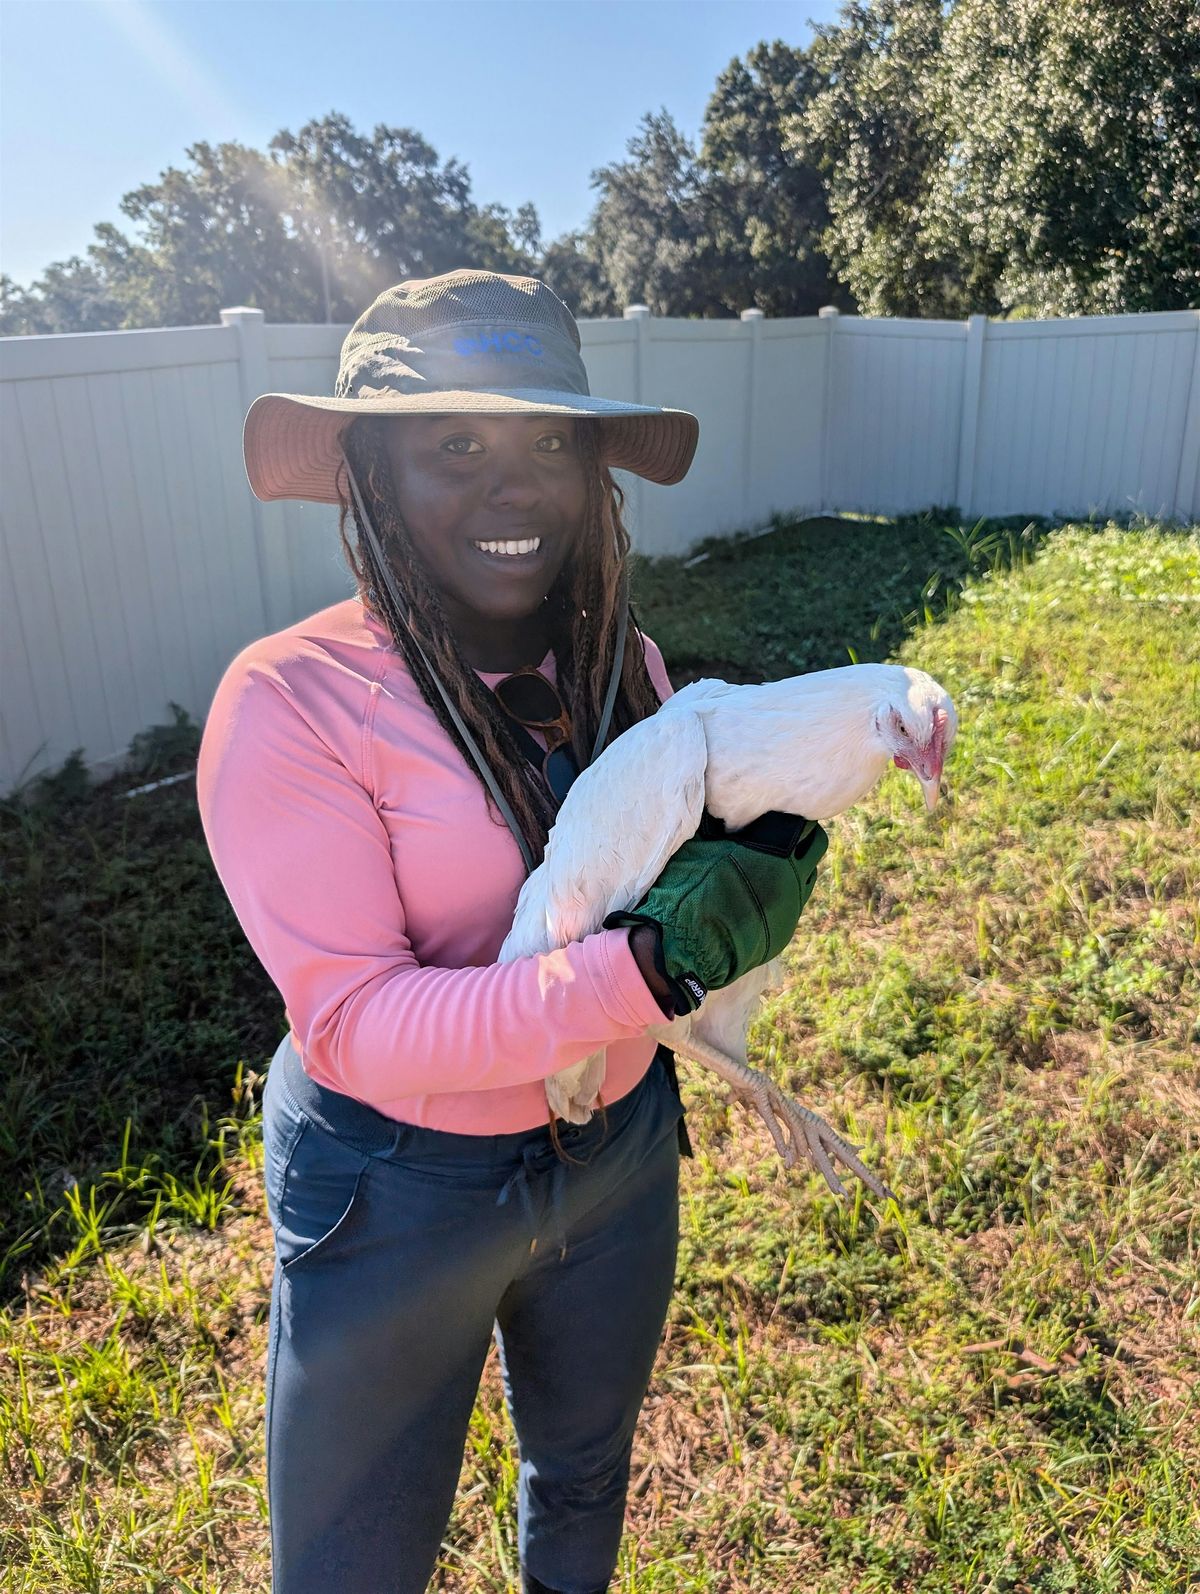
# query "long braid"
(593, 604)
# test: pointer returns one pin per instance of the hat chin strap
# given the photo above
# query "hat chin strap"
(610, 696)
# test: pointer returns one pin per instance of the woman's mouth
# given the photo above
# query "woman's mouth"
(512, 550)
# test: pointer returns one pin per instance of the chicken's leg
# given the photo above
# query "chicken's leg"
(809, 1133)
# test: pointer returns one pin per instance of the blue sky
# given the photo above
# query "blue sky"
(99, 96)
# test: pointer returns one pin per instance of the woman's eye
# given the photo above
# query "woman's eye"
(451, 445)
(556, 441)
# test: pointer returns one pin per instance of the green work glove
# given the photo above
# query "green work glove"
(724, 904)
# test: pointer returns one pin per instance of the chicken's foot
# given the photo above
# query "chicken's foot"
(810, 1134)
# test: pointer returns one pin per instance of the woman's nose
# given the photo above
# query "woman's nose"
(515, 482)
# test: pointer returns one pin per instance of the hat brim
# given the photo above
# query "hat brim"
(291, 444)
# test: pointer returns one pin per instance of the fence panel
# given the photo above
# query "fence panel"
(1084, 416)
(129, 570)
(705, 367)
(894, 415)
(786, 428)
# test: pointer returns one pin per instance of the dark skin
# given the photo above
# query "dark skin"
(466, 478)
(462, 479)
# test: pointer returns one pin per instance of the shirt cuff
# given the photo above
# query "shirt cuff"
(627, 981)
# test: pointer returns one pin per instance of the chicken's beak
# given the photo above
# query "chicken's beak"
(927, 769)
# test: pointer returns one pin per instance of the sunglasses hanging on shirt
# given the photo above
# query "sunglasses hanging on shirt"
(529, 699)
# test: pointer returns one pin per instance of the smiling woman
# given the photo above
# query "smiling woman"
(375, 783)
(431, 490)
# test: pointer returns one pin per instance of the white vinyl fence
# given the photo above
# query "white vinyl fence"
(135, 562)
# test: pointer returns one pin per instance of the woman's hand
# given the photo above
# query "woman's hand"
(724, 904)
(642, 938)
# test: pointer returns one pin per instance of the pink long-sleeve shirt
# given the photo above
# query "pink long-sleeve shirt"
(356, 848)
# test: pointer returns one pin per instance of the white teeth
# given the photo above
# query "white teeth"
(527, 545)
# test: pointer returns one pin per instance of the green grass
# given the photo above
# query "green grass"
(815, 594)
(990, 1386)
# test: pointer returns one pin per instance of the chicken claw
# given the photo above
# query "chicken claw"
(810, 1135)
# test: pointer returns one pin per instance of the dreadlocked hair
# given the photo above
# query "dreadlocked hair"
(583, 608)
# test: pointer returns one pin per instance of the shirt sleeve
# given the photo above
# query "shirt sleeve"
(303, 856)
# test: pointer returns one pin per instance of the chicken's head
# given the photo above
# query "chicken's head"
(918, 728)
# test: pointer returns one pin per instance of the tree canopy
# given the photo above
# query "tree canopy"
(1030, 156)
(921, 157)
(311, 230)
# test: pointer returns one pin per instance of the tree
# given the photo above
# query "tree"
(369, 211)
(311, 231)
(1073, 138)
(996, 155)
(570, 267)
(923, 157)
(649, 229)
(71, 296)
(872, 126)
(211, 236)
(766, 206)
(709, 233)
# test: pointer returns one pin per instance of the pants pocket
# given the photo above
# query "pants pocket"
(319, 1191)
(282, 1124)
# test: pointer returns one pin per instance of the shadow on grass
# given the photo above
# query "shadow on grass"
(816, 594)
(129, 995)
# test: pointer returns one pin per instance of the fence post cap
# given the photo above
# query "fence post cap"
(636, 312)
(753, 315)
(241, 312)
(827, 310)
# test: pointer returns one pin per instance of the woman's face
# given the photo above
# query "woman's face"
(463, 480)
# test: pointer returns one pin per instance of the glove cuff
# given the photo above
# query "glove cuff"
(777, 833)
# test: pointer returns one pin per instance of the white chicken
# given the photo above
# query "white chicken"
(811, 744)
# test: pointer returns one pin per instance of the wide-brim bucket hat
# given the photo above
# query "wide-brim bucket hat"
(466, 342)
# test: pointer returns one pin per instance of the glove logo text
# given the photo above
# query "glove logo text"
(699, 992)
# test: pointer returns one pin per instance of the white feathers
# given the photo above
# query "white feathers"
(812, 745)
(621, 820)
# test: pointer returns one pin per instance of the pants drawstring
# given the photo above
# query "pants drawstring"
(537, 1162)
